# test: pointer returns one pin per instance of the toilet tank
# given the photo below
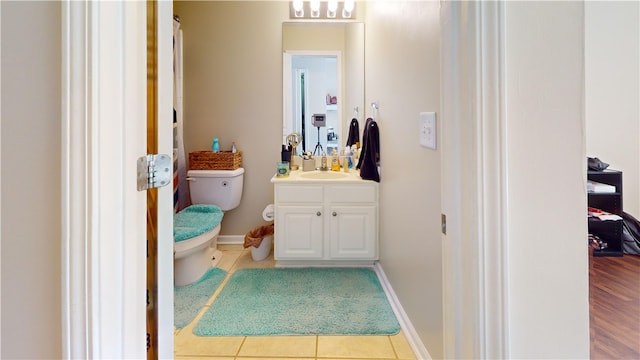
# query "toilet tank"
(217, 187)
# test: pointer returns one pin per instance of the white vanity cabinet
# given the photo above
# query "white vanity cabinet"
(326, 223)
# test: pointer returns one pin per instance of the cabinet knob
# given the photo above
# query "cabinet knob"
(334, 214)
(318, 213)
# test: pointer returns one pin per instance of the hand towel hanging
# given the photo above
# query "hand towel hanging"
(370, 154)
(364, 141)
(354, 133)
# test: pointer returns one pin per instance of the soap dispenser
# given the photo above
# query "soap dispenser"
(215, 147)
(335, 161)
(323, 162)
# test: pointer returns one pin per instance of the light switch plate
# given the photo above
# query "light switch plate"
(428, 130)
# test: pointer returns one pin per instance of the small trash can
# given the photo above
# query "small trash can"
(260, 239)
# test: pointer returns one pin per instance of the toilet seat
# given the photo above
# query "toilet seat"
(193, 257)
(182, 248)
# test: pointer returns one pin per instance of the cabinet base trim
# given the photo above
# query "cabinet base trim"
(324, 263)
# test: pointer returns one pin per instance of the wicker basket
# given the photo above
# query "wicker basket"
(208, 160)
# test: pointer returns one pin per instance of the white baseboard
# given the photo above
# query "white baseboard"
(231, 239)
(407, 328)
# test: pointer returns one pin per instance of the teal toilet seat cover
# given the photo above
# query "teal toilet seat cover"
(195, 220)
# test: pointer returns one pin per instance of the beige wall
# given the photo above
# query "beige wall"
(548, 283)
(233, 90)
(612, 72)
(402, 74)
(31, 271)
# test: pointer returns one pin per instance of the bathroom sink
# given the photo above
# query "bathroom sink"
(323, 175)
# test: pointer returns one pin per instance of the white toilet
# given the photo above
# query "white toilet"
(212, 192)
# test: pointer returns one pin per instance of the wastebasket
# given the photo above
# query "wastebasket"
(260, 240)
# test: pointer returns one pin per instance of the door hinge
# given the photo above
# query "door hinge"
(154, 170)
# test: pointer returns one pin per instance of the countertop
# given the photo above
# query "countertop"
(307, 177)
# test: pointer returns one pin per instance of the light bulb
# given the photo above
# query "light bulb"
(349, 5)
(315, 8)
(298, 8)
(332, 6)
(347, 8)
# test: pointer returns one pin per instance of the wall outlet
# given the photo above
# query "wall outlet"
(428, 130)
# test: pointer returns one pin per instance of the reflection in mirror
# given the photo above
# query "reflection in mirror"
(315, 93)
(323, 75)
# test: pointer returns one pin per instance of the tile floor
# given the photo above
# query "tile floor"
(190, 346)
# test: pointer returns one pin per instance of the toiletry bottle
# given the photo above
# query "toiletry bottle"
(215, 147)
(234, 149)
(352, 155)
(345, 164)
(323, 162)
(335, 161)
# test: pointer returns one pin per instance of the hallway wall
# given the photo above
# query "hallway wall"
(31, 171)
(548, 282)
(612, 101)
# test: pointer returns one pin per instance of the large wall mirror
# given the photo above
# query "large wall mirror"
(323, 79)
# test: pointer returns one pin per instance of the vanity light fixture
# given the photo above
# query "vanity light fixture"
(322, 9)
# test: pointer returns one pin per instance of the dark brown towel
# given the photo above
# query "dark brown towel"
(370, 154)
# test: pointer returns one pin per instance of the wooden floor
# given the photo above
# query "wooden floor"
(614, 304)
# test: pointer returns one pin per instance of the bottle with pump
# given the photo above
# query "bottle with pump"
(352, 156)
(323, 162)
(335, 161)
(215, 147)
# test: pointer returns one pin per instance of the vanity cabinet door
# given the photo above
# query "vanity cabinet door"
(353, 232)
(298, 232)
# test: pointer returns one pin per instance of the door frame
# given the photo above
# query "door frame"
(474, 181)
(103, 215)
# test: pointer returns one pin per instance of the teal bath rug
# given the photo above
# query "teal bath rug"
(188, 300)
(300, 301)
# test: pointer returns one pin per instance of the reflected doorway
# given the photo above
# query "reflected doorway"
(314, 89)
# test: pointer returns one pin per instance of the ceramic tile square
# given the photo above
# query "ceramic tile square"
(245, 261)
(187, 344)
(402, 347)
(362, 347)
(228, 260)
(273, 358)
(230, 247)
(279, 346)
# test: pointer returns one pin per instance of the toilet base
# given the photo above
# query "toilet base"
(189, 269)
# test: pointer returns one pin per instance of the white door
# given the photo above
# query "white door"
(104, 224)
